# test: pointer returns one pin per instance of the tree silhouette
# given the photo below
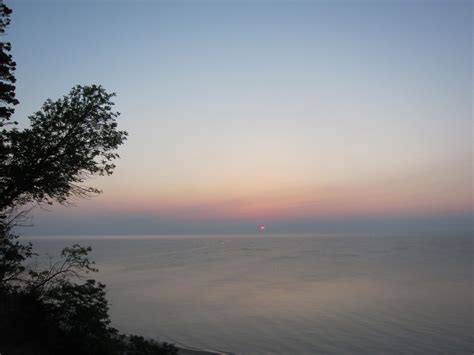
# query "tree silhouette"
(68, 141)
(7, 69)
(56, 310)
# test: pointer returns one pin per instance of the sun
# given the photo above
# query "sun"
(262, 227)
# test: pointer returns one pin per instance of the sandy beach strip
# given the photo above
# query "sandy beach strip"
(184, 350)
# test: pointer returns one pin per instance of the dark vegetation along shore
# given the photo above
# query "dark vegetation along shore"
(58, 309)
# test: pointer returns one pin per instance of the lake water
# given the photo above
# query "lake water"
(263, 294)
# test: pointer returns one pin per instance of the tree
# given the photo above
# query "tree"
(57, 310)
(7, 69)
(68, 141)
(7, 90)
(12, 253)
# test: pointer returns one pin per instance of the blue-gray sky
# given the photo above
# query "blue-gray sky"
(240, 113)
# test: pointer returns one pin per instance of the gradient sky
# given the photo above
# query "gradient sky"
(287, 113)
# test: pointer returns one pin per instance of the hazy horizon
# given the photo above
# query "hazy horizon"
(48, 224)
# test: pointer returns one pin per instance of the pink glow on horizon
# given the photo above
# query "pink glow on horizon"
(433, 190)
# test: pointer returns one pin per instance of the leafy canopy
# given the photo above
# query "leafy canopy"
(68, 141)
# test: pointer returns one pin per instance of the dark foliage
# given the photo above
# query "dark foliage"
(69, 140)
(137, 345)
(12, 256)
(7, 69)
(55, 309)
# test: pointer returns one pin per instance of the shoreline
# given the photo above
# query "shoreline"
(186, 350)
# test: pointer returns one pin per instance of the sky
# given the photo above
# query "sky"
(303, 116)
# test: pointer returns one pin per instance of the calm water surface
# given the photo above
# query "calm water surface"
(291, 294)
